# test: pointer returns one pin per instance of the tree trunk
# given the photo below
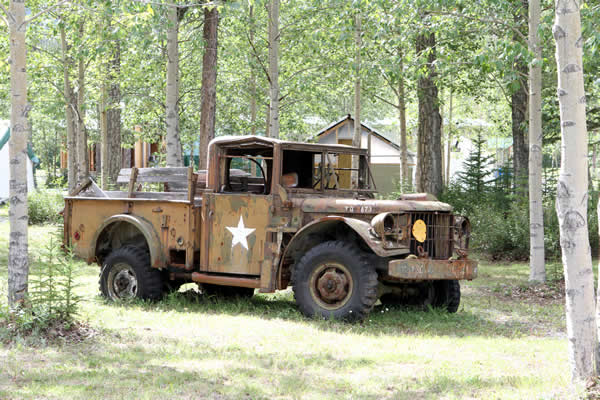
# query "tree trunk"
(404, 179)
(429, 151)
(449, 140)
(519, 110)
(253, 110)
(70, 107)
(83, 165)
(104, 148)
(18, 262)
(572, 193)
(209, 82)
(356, 138)
(274, 69)
(442, 127)
(174, 152)
(113, 117)
(537, 267)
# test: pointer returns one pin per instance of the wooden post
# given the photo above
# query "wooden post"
(132, 179)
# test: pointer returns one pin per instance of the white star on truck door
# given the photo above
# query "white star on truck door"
(240, 234)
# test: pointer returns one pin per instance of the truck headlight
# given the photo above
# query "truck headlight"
(383, 224)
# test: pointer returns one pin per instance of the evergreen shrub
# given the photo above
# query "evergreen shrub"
(51, 301)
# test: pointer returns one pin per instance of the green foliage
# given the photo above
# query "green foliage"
(501, 234)
(45, 206)
(51, 303)
(499, 222)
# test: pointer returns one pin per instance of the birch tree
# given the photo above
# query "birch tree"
(537, 270)
(18, 252)
(72, 165)
(274, 69)
(572, 192)
(174, 151)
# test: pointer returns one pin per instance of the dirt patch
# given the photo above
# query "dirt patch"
(56, 332)
(543, 293)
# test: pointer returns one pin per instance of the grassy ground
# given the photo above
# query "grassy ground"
(506, 342)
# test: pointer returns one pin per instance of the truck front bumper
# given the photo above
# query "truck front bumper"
(426, 269)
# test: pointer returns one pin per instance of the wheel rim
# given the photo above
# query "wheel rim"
(331, 285)
(122, 282)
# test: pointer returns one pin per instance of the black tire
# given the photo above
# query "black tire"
(126, 273)
(447, 295)
(227, 292)
(335, 279)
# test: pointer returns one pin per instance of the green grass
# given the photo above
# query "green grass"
(497, 346)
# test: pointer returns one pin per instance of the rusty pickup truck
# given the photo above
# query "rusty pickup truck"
(268, 214)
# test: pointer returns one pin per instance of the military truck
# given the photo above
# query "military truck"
(268, 214)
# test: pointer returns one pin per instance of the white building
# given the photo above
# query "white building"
(5, 163)
(384, 153)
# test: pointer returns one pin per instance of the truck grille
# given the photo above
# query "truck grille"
(438, 244)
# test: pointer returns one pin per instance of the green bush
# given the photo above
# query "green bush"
(500, 234)
(500, 222)
(45, 206)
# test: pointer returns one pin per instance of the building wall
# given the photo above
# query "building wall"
(385, 158)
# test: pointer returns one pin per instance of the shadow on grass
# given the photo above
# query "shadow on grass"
(105, 370)
(108, 369)
(383, 321)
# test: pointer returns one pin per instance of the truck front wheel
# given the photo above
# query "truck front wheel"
(126, 274)
(334, 279)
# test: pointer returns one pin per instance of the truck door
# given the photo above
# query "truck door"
(236, 226)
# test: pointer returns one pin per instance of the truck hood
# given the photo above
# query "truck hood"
(367, 206)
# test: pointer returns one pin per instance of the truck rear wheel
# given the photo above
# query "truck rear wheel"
(334, 279)
(447, 295)
(126, 274)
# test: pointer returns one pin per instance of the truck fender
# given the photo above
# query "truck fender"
(361, 228)
(157, 259)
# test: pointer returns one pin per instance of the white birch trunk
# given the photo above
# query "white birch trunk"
(572, 195)
(72, 165)
(537, 267)
(18, 263)
(83, 166)
(174, 152)
(273, 130)
(356, 138)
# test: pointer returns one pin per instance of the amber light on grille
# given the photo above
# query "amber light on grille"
(438, 243)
